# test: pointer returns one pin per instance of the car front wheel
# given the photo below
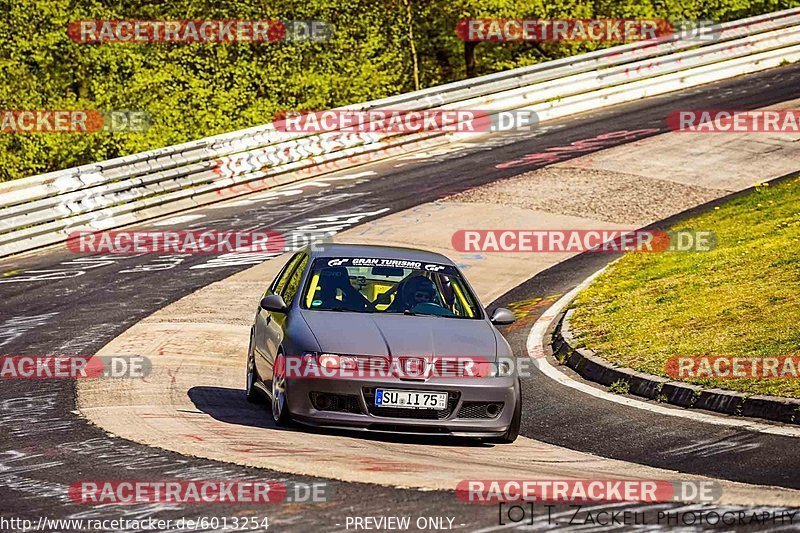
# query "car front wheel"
(252, 392)
(280, 411)
(516, 421)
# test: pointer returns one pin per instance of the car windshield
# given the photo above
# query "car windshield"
(373, 285)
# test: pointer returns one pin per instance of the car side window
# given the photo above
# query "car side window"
(280, 282)
(294, 281)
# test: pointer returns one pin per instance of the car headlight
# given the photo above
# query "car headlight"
(333, 361)
(502, 368)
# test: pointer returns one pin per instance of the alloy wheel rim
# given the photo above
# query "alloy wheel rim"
(278, 395)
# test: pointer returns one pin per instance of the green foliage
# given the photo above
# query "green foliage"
(620, 387)
(196, 90)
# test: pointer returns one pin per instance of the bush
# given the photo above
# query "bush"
(196, 90)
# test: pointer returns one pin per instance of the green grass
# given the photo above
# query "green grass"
(740, 299)
(620, 387)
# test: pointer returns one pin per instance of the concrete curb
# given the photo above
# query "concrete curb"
(594, 368)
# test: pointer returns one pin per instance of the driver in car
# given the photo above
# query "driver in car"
(417, 290)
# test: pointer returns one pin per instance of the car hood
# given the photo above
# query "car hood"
(401, 335)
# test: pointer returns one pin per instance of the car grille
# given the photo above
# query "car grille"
(485, 410)
(342, 403)
(415, 414)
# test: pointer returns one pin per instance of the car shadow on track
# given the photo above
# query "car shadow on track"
(231, 406)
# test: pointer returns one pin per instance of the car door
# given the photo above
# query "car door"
(278, 325)
(264, 332)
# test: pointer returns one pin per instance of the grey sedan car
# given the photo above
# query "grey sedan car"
(383, 339)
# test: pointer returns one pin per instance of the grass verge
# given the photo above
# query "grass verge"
(741, 299)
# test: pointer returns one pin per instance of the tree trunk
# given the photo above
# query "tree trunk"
(469, 57)
(414, 58)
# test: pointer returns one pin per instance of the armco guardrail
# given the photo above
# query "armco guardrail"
(43, 210)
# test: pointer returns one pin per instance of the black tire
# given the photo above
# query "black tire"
(280, 409)
(252, 392)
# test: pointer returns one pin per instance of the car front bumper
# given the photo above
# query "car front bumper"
(349, 404)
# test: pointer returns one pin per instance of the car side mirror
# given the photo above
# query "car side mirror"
(502, 317)
(275, 303)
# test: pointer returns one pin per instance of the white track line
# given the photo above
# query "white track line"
(535, 347)
(171, 221)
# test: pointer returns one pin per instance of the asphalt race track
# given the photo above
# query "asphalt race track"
(57, 302)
